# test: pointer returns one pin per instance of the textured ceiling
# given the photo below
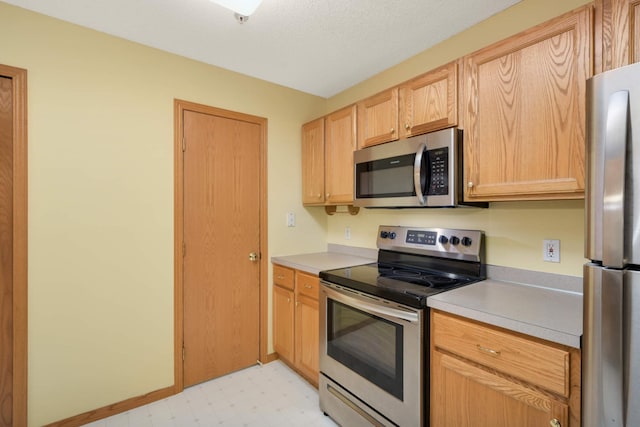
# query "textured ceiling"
(319, 47)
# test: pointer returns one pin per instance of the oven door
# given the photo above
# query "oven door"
(372, 349)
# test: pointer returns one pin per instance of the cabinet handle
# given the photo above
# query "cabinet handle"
(280, 277)
(328, 194)
(288, 300)
(470, 184)
(488, 350)
(319, 195)
(307, 286)
(392, 131)
(406, 126)
(555, 423)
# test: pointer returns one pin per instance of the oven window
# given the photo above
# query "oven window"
(366, 344)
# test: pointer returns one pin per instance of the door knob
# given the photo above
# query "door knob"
(253, 256)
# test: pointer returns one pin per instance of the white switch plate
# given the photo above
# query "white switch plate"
(347, 233)
(291, 219)
(551, 250)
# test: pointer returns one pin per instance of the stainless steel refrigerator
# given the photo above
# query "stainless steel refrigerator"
(611, 337)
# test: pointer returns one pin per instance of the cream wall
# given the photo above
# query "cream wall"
(515, 231)
(101, 203)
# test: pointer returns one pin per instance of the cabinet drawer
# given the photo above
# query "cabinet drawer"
(307, 284)
(537, 363)
(283, 276)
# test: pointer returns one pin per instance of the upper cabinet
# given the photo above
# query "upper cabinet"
(327, 159)
(617, 29)
(313, 162)
(378, 119)
(429, 102)
(524, 113)
(423, 104)
(340, 142)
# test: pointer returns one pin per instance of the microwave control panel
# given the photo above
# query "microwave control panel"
(438, 165)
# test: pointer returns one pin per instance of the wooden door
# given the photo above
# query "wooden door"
(464, 395)
(524, 115)
(222, 176)
(13, 246)
(340, 142)
(313, 162)
(378, 118)
(6, 252)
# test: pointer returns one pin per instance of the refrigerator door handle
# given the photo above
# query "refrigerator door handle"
(617, 125)
(603, 397)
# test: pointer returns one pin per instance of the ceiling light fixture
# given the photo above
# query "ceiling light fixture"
(242, 8)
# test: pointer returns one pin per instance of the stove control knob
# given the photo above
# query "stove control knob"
(443, 239)
(466, 241)
(454, 240)
(392, 235)
(384, 234)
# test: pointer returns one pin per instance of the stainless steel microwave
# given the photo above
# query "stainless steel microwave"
(423, 171)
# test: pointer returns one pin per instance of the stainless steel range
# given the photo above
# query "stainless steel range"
(374, 342)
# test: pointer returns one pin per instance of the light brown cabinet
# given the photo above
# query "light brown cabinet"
(429, 102)
(283, 312)
(296, 320)
(423, 104)
(524, 115)
(617, 34)
(327, 158)
(378, 118)
(500, 378)
(313, 162)
(340, 142)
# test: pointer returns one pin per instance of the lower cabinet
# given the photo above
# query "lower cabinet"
(296, 320)
(487, 376)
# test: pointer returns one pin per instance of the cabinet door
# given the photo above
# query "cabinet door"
(340, 141)
(525, 113)
(378, 119)
(617, 33)
(313, 162)
(464, 395)
(429, 102)
(283, 321)
(307, 337)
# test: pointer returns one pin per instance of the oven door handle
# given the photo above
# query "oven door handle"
(396, 313)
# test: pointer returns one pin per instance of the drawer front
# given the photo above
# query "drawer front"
(283, 276)
(539, 364)
(307, 284)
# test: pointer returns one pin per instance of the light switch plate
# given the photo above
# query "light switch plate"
(291, 219)
(551, 250)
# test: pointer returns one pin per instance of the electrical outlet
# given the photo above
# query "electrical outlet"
(551, 250)
(291, 219)
(347, 233)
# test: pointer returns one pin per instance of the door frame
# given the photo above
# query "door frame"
(180, 106)
(18, 77)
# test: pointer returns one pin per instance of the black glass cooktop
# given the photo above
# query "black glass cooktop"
(399, 284)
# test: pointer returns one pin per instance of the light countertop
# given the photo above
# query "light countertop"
(335, 257)
(547, 313)
(541, 305)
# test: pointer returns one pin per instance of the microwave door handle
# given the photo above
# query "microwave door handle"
(614, 176)
(417, 172)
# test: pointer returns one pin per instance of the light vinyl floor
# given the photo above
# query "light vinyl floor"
(266, 396)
